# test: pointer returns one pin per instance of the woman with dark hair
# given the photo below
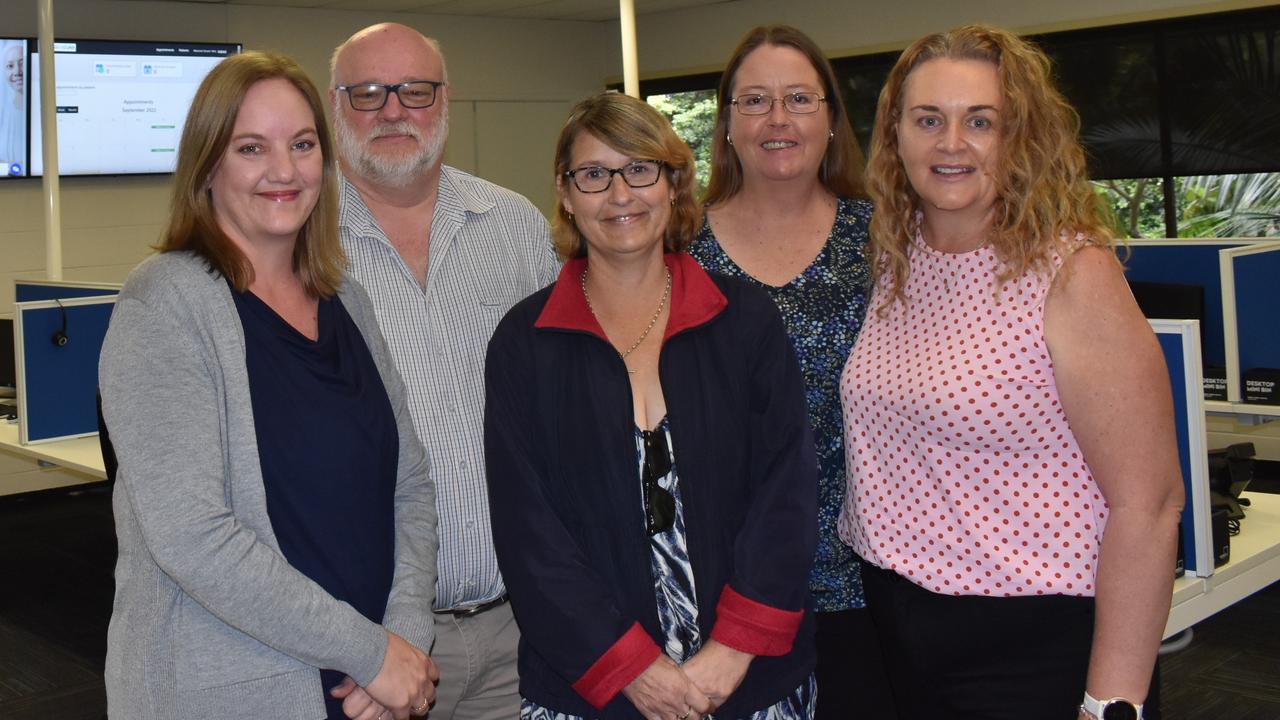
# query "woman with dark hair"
(649, 458)
(787, 212)
(275, 518)
(1013, 471)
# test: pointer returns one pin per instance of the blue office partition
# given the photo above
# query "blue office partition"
(1257, 330)
(1180, 342)
(32, 290)
(1187, 262)
(58, 381)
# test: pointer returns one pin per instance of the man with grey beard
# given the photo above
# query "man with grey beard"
(444, 255)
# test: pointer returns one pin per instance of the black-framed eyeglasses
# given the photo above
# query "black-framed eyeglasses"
(416, 94)
(659, 503)
(636, 174)
(800, 103)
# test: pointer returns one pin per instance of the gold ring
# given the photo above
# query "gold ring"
(686, 714)
(419, 709)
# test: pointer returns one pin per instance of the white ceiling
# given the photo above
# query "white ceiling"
(582, 10)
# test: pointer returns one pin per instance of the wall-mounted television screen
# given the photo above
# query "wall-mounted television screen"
(120, 105)
(13, 107)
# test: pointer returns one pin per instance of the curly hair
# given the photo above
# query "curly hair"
(633, 128)
(842, 164)
(1042, 185)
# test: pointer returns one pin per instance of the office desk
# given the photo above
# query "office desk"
(1255, 564)
(81, 456)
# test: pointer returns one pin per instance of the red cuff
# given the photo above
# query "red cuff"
(752, 627)
(634, 652)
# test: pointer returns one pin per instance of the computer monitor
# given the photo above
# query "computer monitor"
(13, 107)
(1170, 301)
(121, 105)
(8, 366)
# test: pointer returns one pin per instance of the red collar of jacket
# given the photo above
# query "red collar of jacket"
(695, 299)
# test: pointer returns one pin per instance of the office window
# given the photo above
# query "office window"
(1244, 205)
(1178, 118)
(692, 115)
(1137, 206)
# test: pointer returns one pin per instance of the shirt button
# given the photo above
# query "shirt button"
(462, 464)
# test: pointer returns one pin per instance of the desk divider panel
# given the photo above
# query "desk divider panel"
(1187, 262)
(32, 290)
(57, 384)
(1250, 277)
(1180, 341)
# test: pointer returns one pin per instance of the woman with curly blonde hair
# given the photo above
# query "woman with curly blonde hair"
(1013, 474)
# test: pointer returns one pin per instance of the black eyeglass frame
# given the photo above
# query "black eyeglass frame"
(772, 100)
(392, 88)
(659, 503)
(573, 175)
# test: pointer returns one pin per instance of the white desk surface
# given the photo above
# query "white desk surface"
(83, 455)
(1255, 564)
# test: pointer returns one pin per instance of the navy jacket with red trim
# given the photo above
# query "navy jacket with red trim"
(565, 494)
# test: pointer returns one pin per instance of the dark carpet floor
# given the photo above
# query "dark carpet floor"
(59, 549)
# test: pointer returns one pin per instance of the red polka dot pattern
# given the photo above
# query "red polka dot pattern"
(963, 474)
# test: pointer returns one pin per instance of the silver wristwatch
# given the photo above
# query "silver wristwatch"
(1117, 708)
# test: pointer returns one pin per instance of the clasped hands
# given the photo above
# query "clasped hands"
(405, 686)
(667, 691)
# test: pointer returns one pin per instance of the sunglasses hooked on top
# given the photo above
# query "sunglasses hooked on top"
(659, 503)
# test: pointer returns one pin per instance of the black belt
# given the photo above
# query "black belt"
(476, 609)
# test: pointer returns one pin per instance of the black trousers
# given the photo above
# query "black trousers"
(852, 682)
(965, 657)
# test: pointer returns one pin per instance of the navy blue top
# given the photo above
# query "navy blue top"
(567, 514)
(328, 445)
(822, 309)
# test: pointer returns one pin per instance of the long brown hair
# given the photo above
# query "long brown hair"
(193, 225)
(841, 168)
(1042, 184)
(634, 128)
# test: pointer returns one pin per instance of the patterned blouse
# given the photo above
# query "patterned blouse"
(965, 477)
(822, 308)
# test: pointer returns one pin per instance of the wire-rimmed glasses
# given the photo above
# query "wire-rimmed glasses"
(800, 103)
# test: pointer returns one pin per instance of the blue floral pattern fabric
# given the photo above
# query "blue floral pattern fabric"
(677, 601)
(822, 309)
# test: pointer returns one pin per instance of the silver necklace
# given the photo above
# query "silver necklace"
(662, 303)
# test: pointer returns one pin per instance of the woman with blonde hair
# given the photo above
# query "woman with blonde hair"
(649, 459)
(1013, 474)
(275, 518)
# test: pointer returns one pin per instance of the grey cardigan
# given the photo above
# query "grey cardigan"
(210, 621)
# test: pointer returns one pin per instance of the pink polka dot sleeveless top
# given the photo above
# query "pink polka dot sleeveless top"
(964, 477)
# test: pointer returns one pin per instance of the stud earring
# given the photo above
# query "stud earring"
(728, 139)
(831, 135)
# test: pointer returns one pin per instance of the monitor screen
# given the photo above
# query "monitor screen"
(120, 105)
(13, 107)
(8, 367)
